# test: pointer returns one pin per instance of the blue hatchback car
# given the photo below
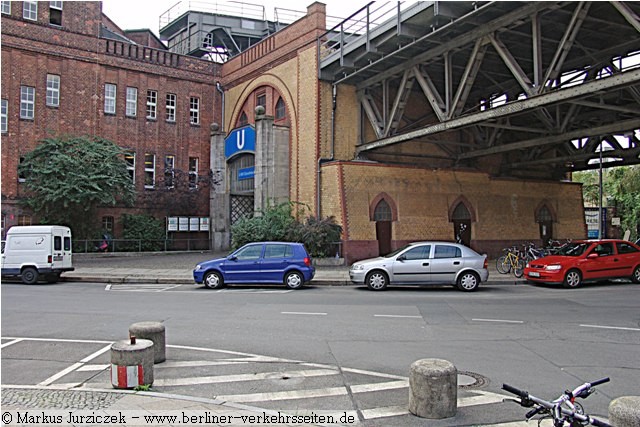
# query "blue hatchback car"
(261, 262)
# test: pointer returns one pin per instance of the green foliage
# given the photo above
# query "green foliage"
(279, 223)
(145, 228)
(68, 177)
(621, 188)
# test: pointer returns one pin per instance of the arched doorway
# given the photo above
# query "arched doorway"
(544, 218)
(383, 216)
(461, 218)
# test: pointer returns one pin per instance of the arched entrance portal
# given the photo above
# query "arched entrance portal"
(461, 218)
(382, 216)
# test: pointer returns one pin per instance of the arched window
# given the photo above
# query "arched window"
(281, 110)
(243, 120)
(382, 212)
(544, 215)
(461, 212)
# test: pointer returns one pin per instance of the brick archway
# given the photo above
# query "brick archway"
(383, 196)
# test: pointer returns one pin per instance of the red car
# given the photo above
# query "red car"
(585, 260)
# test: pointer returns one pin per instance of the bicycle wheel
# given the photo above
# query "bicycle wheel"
(503, 265)
(518, 269)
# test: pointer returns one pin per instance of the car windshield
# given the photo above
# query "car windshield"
(574, 249)
(396, 252)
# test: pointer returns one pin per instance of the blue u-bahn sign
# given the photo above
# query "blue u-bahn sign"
(242, 140)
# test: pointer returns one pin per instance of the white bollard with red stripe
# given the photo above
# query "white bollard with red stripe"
(132, 363)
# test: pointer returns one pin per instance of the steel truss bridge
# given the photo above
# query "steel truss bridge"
(524, 89)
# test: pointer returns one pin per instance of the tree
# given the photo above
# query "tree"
(68, 177)
(621, 188)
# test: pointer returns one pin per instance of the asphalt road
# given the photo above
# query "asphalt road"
(542, 339)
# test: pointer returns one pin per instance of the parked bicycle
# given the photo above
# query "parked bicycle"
(511, 261)
(563, 411)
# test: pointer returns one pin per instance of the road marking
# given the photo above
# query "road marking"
(74, 366)
(244, 377)
(284, 395)
(497, 320)
(390, 385)
(7, 344)
(481, 398)
(397, 316)
(93, 368)
(196, 363)
(620, 328)
(303, 313)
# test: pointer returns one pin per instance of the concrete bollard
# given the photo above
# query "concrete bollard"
(131, 363)
(433, 389)
(624, 411)
(153, 331)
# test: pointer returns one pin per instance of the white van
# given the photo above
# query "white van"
(36, 252)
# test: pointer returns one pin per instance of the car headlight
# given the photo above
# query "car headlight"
(198, 267)
(357, 267)
(554, 267)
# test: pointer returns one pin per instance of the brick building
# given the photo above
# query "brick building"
(280, 133)
(68, 69)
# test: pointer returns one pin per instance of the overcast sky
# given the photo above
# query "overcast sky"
(136, 14)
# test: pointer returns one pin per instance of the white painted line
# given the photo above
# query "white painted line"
(481, 398)
(399, 316)
(7, 344)
(92, 368)
(285, 395)
(74, 366)
(303, 313)
(620, 328)
(243, 377)
(107, 288)
(391, 385)
(60, 374)
(196, 363)
(497, 320)
(389, 411)
(58, 340)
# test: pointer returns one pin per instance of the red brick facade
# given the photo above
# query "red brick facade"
(85, 63)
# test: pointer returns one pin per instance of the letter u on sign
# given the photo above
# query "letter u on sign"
(242, 140)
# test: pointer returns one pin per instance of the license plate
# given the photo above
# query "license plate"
(534, 274)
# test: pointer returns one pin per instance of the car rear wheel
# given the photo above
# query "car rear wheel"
(635, 277)
(573, 279)
(29, 276)
(213, 280)
(293, 280)
(468, 282)
(377, 281)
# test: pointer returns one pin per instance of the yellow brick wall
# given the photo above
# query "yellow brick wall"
(504, 209)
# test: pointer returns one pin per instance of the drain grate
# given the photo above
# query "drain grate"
(471, 380)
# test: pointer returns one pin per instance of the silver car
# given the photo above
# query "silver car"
(421, 263)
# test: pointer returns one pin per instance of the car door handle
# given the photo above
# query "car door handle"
(425, 264)
(456, 263)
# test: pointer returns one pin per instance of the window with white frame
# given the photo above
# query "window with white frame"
(130, 160)
(21, 176)
(30, 10)
(132, 101)
(152, 104)
(55, 12)
(194, 110)
(109, 98)
(169, 171)
(6, 7)
(193, 172)
(107, 223)
(53, 90)
(149, 171)
(27, 102)
(171, 107)
(3, 116)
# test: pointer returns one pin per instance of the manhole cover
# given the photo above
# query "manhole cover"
(468, 379)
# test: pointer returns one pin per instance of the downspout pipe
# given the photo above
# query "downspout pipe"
(221, 90)
(334, 103)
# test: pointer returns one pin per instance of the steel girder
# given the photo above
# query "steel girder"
(505, 87)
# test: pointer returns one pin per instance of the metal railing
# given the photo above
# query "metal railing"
(141, 245)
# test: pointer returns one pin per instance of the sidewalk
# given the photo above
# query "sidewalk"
(170, 268)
